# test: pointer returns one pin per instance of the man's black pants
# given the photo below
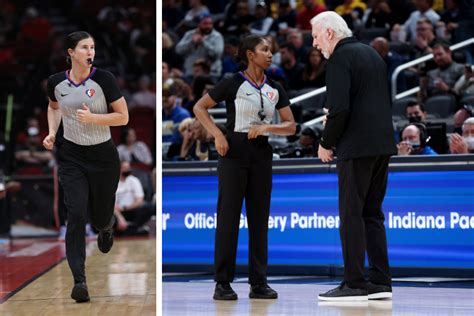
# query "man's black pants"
(362, 186)
(245, 172)
(89, 176)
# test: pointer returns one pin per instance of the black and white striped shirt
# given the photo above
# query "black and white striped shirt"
(97, 91)
(242, 99)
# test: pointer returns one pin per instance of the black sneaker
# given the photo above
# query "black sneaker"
(262, 291)
(105, 240)
(80, 293)
(378, 291)
(224, 292)
(344, 293)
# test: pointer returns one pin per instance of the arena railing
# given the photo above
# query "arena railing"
(415, 62)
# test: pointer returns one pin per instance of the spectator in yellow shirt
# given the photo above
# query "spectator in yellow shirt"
(349, 6)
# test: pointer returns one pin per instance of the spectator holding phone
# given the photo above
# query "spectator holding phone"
(465, 85)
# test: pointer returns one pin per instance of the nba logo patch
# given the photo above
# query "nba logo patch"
(90, 92)
(271, 95)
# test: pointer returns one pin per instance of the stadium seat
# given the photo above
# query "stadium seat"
(115, 131)
(459, 57)
(468, 100)
(146, 134)
(399, 107)
(141, 116)
(441, 105)
(30, 171)
(142, 111)
(367, 35)
(401, 48)
(143, 174)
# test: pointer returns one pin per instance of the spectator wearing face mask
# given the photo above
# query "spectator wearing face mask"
(415, 112)
(463, 144)
(32, 128)
(413, 141)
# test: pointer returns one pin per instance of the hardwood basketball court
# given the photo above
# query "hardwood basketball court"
(122, 282)
(299, 297)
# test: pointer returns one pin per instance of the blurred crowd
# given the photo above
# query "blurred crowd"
(200, 39)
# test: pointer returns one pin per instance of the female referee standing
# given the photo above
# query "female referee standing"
(89, 167)
(245, 163)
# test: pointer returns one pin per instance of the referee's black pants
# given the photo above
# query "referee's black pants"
(89, 176)
(245, 172)
(362, 186)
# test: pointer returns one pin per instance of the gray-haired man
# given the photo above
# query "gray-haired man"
(359, 127)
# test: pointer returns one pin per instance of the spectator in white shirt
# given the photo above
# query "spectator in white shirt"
(131, 210)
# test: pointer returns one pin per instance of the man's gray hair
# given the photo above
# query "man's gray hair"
(469, 121)
(332, 20)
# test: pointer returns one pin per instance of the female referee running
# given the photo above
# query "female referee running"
(89, 167)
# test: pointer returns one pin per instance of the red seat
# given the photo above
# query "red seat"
(146, 134)
(115, 132)
(30, 171)
(142, 111)
(141, 166)
(141, 116)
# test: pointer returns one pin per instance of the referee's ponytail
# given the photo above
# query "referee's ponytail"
(248, 43)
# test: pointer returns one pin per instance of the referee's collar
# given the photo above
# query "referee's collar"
(252, 83)
(68, 77)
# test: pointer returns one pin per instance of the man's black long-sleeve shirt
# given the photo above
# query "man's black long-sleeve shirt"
(359, 121)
